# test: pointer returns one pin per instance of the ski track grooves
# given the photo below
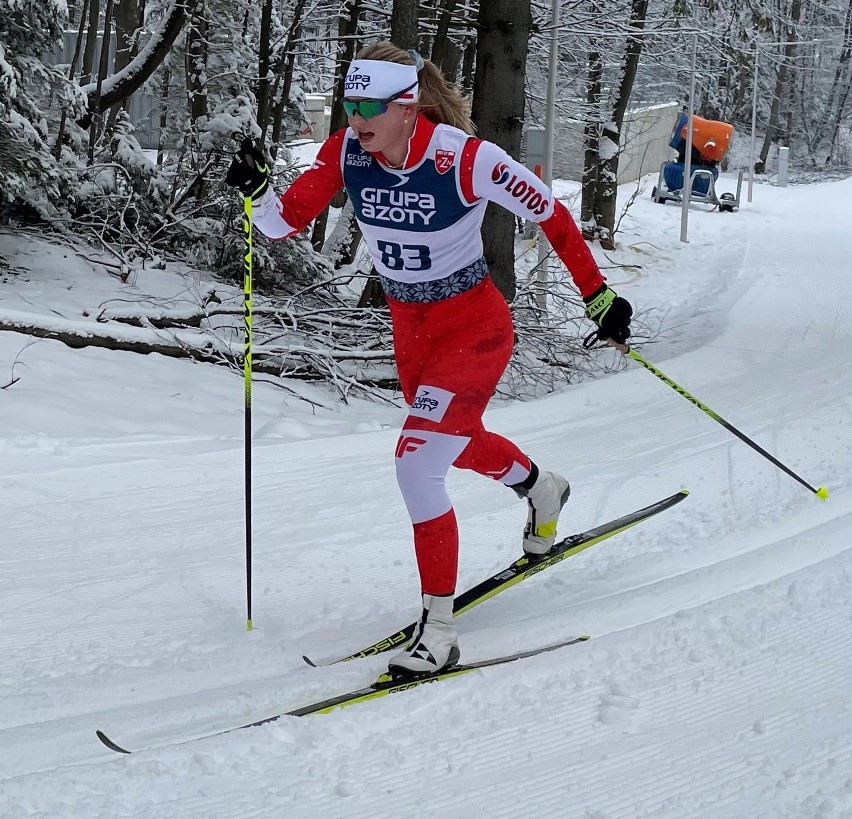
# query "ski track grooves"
(718, 680)
(690, 589)
(700, 698)
(747, 701)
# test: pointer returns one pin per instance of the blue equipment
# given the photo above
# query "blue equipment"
(710, 141)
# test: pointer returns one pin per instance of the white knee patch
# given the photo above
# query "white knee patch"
(422, 462)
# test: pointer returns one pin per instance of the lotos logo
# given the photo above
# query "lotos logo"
(408, 443)
(500, 173)
(527, 194)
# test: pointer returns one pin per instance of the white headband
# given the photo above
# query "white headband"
(378, 80)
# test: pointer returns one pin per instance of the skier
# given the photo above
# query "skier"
(419, 183)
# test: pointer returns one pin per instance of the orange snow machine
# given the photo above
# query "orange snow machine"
(710, 142)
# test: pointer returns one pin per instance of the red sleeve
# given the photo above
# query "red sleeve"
(565, 238)
(308, 196)
(468, 160)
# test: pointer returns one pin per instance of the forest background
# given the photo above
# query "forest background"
(71, 167)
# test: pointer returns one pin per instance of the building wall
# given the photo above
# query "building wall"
(644, 144)
(142, 107)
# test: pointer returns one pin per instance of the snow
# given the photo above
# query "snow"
(717, 680)
(607, 148)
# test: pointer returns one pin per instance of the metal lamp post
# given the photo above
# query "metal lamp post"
(549, 124)
(687, 166)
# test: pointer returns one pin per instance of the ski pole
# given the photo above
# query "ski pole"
(821, 492)
(247, 334)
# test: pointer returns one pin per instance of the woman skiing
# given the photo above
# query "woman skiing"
(419, 183)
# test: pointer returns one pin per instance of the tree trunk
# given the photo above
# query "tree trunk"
(451, 62)
(134, 75)
(372, 295)
(60, 134)
(91, 43)
(347, 29)
(129, 18)
(441, 50)
(781, 82)
(591, 138)
(405, 23)
(609, 146)
(72, 12)
(164, 111)
(103, 67)
(263, 69)
(841, 89)
(501, 58)
(289, 63)
(468, 66)
(196, 66)
(838, 119)
(737, 107)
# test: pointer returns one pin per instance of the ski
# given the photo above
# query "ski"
(384, 685)
(520, 570)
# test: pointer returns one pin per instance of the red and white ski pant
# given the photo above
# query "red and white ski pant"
(450, 356)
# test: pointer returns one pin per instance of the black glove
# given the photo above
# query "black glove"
(611, 313)
(249, 171)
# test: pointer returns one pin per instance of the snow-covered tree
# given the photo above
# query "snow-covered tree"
(29, 174)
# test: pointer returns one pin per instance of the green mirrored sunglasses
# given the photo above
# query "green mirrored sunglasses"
(371, 108)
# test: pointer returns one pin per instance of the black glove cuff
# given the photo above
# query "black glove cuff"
(596, 295)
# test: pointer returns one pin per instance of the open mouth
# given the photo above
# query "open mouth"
(365, 136)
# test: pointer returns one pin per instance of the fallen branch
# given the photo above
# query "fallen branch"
(15, 379)
(314, 363)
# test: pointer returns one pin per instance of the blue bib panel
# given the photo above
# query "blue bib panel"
(420, 200)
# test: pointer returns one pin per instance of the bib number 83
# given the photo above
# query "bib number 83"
(404, 257)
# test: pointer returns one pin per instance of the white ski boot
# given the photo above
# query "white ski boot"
(435, 643)
(545, 500)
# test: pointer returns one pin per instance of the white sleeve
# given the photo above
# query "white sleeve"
(266, 214)
(499, 178)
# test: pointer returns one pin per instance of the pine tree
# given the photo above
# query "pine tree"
(30, 177)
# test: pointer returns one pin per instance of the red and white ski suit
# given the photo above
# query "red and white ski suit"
(452, 328)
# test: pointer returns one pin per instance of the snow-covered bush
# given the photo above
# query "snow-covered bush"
(122, 190)
(30, 176)
(209, 230)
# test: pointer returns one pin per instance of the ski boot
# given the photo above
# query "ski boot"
(545, 501)
(435, 644)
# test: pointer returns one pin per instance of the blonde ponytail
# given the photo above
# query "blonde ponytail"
(438, 100)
